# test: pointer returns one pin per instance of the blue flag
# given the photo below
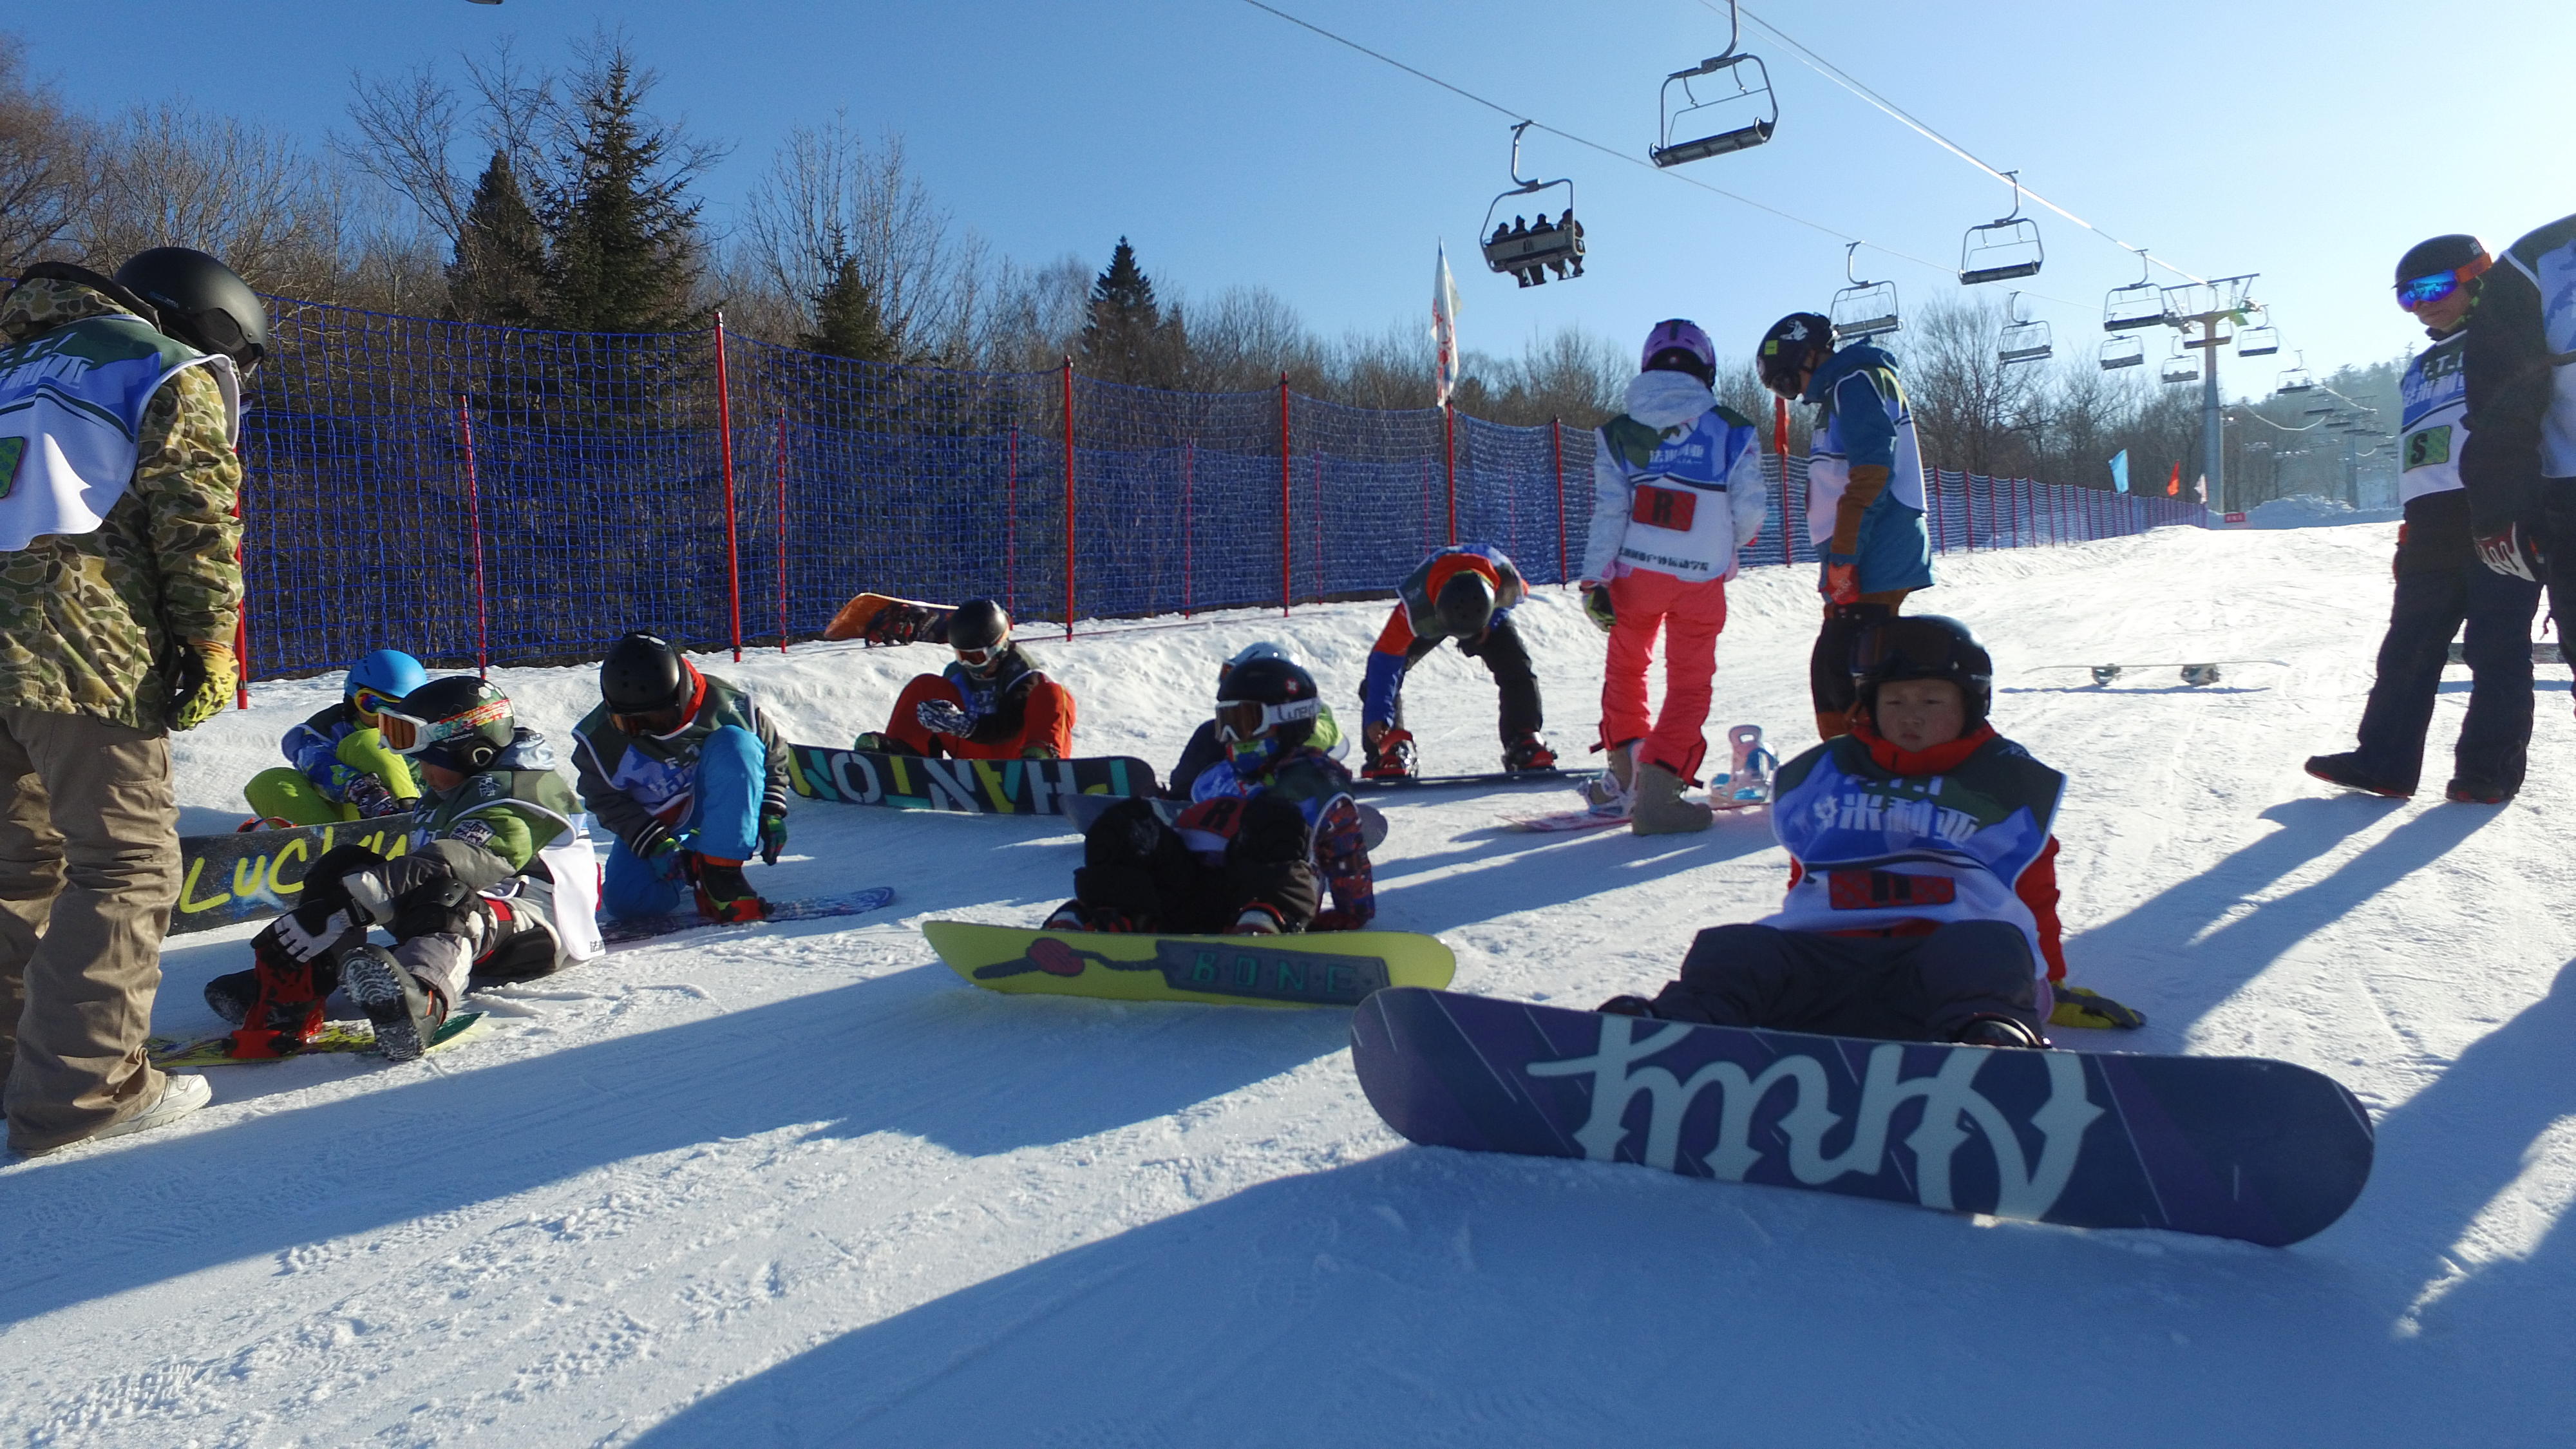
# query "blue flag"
(2120, 470)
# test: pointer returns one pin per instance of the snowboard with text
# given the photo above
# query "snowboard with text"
(972, 787)
(2234, 1147)
(251, 875)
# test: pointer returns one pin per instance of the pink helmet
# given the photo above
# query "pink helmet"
(1683, 336)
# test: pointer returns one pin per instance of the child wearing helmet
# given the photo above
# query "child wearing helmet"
(1922, 901)
(991, 703)
(497, 883)
(1464, 592)
(1205, 749)
(1677, 489)
(342, 770)
(1268, 832)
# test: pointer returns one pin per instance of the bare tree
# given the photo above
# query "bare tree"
(45, 164)
(830, 198)
(170, 175)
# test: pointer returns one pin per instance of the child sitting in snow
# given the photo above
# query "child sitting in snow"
(1922, 900)
(342, 770)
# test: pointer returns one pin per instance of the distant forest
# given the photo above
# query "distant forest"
(550, 194)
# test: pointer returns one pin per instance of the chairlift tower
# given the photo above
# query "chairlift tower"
(2202, 308)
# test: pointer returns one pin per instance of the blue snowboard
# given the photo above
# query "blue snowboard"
(2235, 1147)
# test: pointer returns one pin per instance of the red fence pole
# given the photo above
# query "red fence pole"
(1189, 466)
(474, 523)
(1556, 432)
(241, 614)
(1011, 529)
(724, 437)
(1068, 496)
(1780, 449)
(782, 530)
(1449, 456)
(1286, 586)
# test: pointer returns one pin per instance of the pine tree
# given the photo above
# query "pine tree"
(847, 320)
(625, 254)
(499, 271)
(1129, 338)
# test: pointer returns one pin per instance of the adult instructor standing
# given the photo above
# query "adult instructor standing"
(120, 406)
(2519, 372)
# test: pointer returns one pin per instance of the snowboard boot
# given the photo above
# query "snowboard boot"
(232, 995)
(2475, 792)
(1625, 1005)
(1617, 785)
(1659, 808)
(407, 1011)
(1527, 751)
(1108, 920)
(1258, 920)
(2345, 770)
(1988, 1029)
(1391, 758)
(723, 895)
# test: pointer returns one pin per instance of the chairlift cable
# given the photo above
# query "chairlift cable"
(1831, 72)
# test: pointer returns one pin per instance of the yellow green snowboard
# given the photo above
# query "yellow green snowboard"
(1333, 968)
(337, 1036)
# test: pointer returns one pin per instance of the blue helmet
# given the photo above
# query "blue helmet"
(387, 672)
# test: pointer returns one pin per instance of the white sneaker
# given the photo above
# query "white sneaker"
(181, 1094)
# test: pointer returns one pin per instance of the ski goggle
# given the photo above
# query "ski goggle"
(654, 722)
(371, 701)
(409, 735)
(1248, 719)
(2417, 292)
(979, 658)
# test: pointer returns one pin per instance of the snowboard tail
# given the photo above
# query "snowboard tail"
(971, 787)
(1331, 968)
(1494, 777)
(885, 619)
(2232, 1147)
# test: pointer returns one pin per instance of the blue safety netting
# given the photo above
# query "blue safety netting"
(475, 492)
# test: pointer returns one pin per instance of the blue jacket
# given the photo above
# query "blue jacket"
(1863, 420)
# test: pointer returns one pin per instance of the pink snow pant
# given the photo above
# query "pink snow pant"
(1690, 616)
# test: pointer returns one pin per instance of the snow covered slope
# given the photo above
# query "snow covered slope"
(799, 1185)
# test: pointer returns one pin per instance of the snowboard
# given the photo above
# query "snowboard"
(974, 787)
(2192, 674)
(1569, 821)
(1328, 968)
(1745, 785)
(1085, 811)
(628, 931)
(1497, 777)
(252, 875)
(338, 1036)
(884, 619)
(2233, 1147)
(2543, 651)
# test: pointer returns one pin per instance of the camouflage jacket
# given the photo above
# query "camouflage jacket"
(90, 624)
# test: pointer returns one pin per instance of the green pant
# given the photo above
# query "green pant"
(285, 794)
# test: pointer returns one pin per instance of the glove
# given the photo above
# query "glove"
(306, 933)
(773, 835)
(1842, 580)
(2078, 1007)
(2513, 553)
(941, 717)
(373, 800)
(201, 682)
(661, 853)
(1596, 606)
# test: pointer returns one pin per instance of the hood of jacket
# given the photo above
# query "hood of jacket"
(40, 304)
(1843, 364)
(1667, 400)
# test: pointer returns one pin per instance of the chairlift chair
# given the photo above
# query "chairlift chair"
(2022, 341)
(2129, 308)
(1742, 117)
(2295, 378)
(1528, 253)
(1864, 309)
(2180, 367)
(2193, 337)
(2258, 338)
(2127, 350)
(2004, 248)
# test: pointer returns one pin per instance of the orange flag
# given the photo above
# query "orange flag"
(2173, 485)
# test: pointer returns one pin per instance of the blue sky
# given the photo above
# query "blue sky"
(2309, 142)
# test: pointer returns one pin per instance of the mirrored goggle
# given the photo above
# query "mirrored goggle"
(369, 701)
(1244, 719)
(1910, 644)
(2424, 291)
(409, 734)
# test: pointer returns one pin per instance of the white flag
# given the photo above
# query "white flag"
(1444, 332)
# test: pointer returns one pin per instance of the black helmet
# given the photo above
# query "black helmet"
(2450, 253)
(202, 302)
(1465, 606)
(1792, 343)
(460, 722)
(1271, 698)
(1925, 646)
(643, 673)
(979, 624)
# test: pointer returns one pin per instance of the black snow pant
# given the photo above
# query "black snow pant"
(2430, 607)
(1890, 988)
(1135, 864)
(1829, 664)
(1507, 659)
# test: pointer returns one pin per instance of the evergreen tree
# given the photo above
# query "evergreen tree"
(847, 320)
(1129, 338)
(499, 271)
(625, 254)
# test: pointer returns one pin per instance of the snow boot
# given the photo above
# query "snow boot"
(232, 995)
(1987, 1029)
(2345, 770)
(1527, 751)
(1617, 786)
(1625, 1005)
(1258, 920)
(1391, 758)
(407, 1011)
(723, 895)
(1659, 808)
(2477, 792)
